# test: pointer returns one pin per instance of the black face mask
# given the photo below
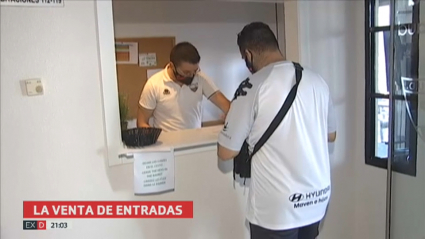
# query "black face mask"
(249, 65)
(185, 80)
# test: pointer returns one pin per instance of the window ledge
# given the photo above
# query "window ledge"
(182, 142)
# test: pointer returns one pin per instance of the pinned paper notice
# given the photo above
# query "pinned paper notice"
(126, 52)
(147, 59)
(154, 171)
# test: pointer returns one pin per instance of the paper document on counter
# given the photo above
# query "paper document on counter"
(154, 171)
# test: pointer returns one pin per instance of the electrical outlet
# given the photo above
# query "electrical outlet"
(34, 87)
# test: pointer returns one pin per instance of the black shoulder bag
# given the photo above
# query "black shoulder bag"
(242, 162)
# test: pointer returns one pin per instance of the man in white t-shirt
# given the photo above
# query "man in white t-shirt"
(173, 96)
(290, 175)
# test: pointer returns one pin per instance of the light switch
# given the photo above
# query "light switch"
(34, 87)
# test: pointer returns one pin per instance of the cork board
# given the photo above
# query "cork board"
(132, 77)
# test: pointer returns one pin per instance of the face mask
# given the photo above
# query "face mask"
(249, 65)
(185, 80)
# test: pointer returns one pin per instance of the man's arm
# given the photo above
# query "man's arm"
(147, 104)
(332, 137)
(143, 116)
(332, 125)
(212, 93)
(219, 100)
(225, 153)
(238, 124)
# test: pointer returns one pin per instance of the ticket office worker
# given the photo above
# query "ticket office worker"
(173, 96)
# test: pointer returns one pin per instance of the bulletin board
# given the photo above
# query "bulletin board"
(135, 56)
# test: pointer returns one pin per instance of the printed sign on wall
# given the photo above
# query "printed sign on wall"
(126, 52)
(154, 171)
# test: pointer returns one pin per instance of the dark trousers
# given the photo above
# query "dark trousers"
(307, 232)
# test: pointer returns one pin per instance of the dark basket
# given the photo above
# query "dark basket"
(139, 137)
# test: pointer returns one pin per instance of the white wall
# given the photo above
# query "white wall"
(211, 26)
(292, 34)
(332, 43)
(408, 193)
(52, 145)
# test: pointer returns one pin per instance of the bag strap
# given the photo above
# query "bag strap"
(283, 110)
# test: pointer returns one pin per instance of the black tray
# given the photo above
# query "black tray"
(139, 137)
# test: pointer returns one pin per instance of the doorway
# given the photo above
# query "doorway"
(406, 171)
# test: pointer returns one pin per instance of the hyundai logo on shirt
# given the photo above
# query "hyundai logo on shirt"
(296, 197)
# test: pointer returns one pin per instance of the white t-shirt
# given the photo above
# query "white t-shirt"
(176, 107)
(290, 174)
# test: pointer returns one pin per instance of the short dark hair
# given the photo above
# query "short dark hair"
(257, 36)
(184, 52)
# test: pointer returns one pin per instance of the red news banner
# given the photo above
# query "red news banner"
(108, 209)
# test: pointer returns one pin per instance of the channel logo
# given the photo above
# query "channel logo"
(34, 225)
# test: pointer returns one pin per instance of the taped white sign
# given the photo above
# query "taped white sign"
(154, 171)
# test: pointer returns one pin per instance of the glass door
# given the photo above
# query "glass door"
(406, 169)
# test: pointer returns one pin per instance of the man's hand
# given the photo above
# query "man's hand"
(223, 118)
(143, 125)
